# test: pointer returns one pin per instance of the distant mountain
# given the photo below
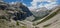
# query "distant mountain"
(40, 13)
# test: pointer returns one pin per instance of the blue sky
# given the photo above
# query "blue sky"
(37, 3)
(27, 2)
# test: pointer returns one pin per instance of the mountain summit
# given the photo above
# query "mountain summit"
(15, 11)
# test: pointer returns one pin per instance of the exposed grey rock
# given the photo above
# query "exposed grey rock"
(18, 10)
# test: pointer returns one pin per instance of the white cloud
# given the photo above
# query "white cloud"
(49, 6)
(24, 4)
(12, 2)
(51, 3)
(51, 0)
(16, 3)
(32, 8)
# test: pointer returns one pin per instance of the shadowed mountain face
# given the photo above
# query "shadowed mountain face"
(25, 9)
(16, 11)
(23, 16)
(2, 7)
(25, 12)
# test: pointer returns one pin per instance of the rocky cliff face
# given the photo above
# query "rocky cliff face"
(11, 15)
(15, 11)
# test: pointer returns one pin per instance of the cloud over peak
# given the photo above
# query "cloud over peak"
(49, 4)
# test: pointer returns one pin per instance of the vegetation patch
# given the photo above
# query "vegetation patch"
(17, 23)
(47, 25)
(23, 27)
